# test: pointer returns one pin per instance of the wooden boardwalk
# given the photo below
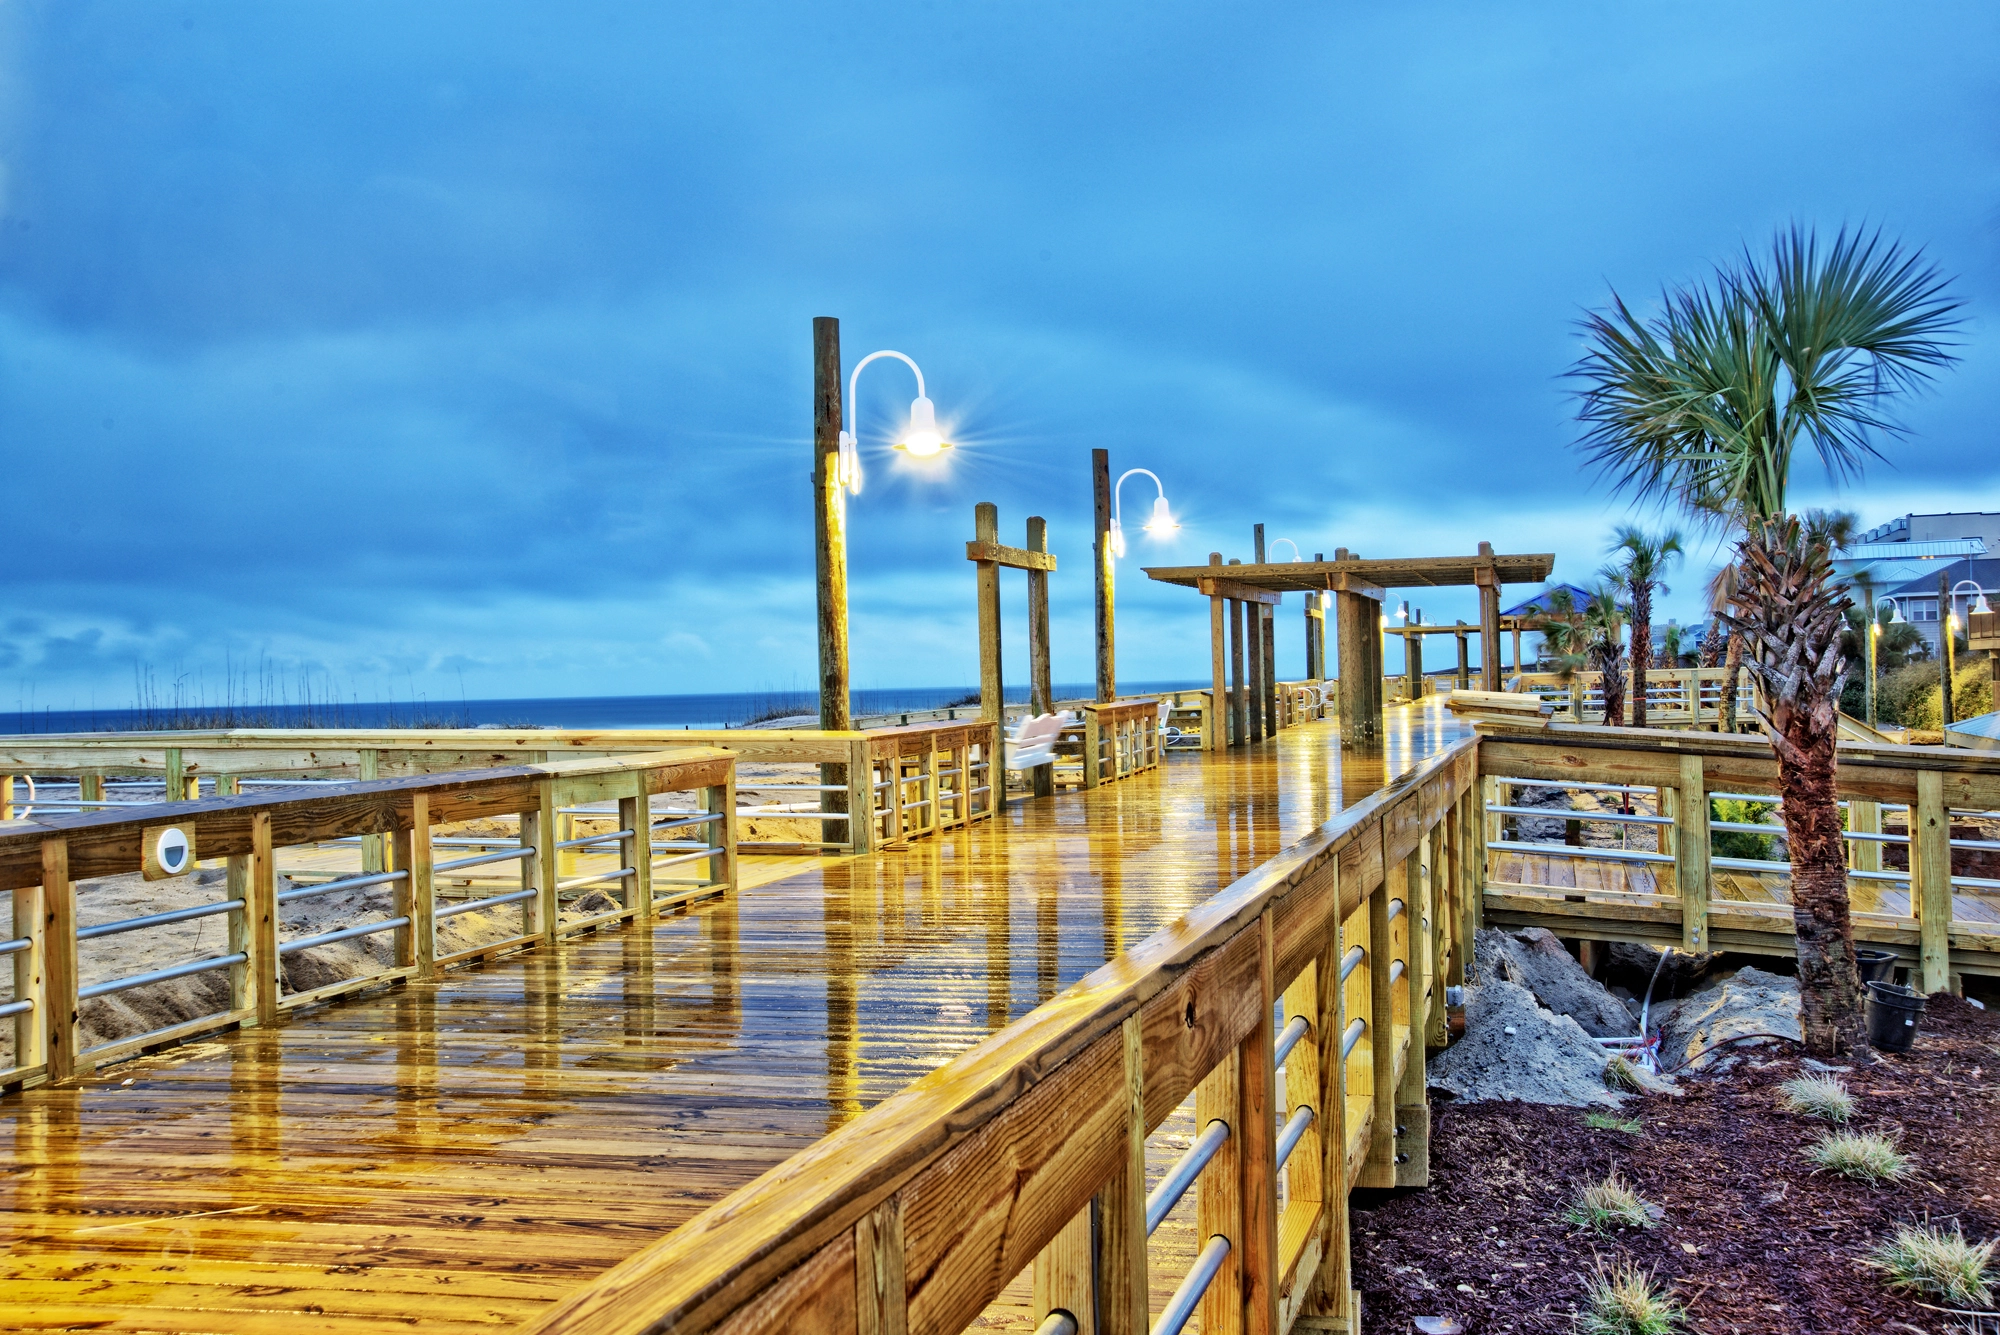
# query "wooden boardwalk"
(457, 1155)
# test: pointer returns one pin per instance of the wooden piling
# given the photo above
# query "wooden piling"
(1930, 881)
(1041, 692)
(830, 549)
(1215, 719)
(1488, 580)
(1106, 565)
(986, 528)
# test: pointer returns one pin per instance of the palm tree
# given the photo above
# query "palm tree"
(1641, 558)
(1707, 405)
(1603, 635)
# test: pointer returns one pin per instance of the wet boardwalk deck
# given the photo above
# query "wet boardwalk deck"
(458, 1155)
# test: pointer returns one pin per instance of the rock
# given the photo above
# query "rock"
(1536, 960)
(1515, 1051)
(1750, 1001)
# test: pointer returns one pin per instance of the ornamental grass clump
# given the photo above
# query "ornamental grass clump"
(1819, 1096)
(1923, 1258)
(1624, 1300)
(1612, 1204)
(1598, 1121)
(1620, 1073)
(1862, 1155)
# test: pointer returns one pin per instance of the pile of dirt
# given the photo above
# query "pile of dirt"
(1752, 1241)
(1749, 1001)
(1536, 960)
(1517, 1051)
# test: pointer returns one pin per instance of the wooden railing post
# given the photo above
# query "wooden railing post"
(1930, 881)
(1413, 1114)
(1305, 1185)
(1093, 746)
(1864, 817)
(31, 923)
(90, 786)
(374, 847)
(1218, 1195)
(413, 855)
(541, 825)
(58, 1017)
(264, 966)
(635, 813)
(1065, 1272)
(1691, 853)
(722, 834)
(6, 797)
(176, 774)
(1380, 1168)
(1122, 1298)
(860, 798)
(1335, 1282)
(881, 1292)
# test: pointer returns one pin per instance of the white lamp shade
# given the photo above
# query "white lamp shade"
(923, 437)
(1163, 518)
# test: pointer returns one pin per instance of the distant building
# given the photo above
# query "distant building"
(1541, 603)
(1899, 562)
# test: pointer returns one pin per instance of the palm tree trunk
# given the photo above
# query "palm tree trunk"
(1642, 647)
(1732, 673)
(1791, 618)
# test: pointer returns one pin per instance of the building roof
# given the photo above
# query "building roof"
(1914, 551)
(1540, 604)
(1985, 573)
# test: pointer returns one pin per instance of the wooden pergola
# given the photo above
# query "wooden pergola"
(1359, 587)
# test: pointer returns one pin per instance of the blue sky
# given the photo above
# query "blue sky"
(465, 348)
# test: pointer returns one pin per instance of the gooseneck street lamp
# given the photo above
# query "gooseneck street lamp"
(837, 474)
(1161, 521)
(1107, 524)
(921, 436)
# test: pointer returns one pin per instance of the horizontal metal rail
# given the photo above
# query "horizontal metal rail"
(1579, 787)
(1594, 817)
(294, 946)
(165, 975)
(590, 840)
(1289, 1039)
(1351, 961)
(1174, 1317)
(346, 883)
(508, 855)
(17, 1008)
(577, 883)
(150, 920)
(1295, 1127)
(1356, 1027)
(512, 897)
(697, 818)
(1576, 851)
(697, 855)
(1057, 1322)
(1397, 969)
(1396, 907)
(18, 943)
(1161, 1200)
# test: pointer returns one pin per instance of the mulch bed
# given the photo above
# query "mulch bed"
(1752, 1239)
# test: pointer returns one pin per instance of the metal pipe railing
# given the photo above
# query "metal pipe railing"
(165, 975)
(1174, 1317)
(1295, 1128)
(1355, 1029)
(346, 883)
(494, 901)
(297, 944)
(134, 924)
(1161, 1200)
(1289, 1039)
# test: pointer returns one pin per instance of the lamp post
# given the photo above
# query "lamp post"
(1874, 635)
(837, 475)
(1108, 506)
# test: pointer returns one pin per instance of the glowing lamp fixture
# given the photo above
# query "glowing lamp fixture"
(1980, 607)
(921, 438)
(1160, 524)
(1896, 615)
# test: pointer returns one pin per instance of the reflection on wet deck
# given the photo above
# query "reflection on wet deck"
(460, 1154)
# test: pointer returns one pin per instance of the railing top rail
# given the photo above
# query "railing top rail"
(1884, 770)
(105, 843)
(694, 1278)
(1124, 707)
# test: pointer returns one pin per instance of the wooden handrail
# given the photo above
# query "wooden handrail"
(915, 1215)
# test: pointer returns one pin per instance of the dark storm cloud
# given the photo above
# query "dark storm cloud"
(474, 338)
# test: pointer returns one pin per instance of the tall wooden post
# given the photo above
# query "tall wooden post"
(1253, 684)
(1488, 580)
(1413, 665)
(1464, 681)
(1215, 723)
(830, 549)
(1239, 694)
(1041, 691)
(1267, 652)
(1355, 632)
(992, 701)
(1100, 497)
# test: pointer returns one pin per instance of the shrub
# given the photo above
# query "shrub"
(1862, 1155)
(1736, 843)
(1619, 1073)
(1624, 1300)
(1928, 1260)
(1971, 693)
(1612, 1204)
(1819, 1096)
(1598, 1121)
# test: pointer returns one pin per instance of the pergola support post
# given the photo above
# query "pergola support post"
(1488, 580)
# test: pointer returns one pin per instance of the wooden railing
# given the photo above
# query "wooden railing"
(1946, 923)
(1675, 697)
(43, 861)
(184, 760)
(1119, 740)
(930, 777)
(1030, 1149)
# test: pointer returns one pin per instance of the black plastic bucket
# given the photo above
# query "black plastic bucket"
(1875, 966)
(1893, 1013)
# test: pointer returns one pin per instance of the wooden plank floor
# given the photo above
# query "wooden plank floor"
(457, 1155)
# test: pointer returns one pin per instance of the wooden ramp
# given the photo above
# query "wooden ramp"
(459, 1154)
